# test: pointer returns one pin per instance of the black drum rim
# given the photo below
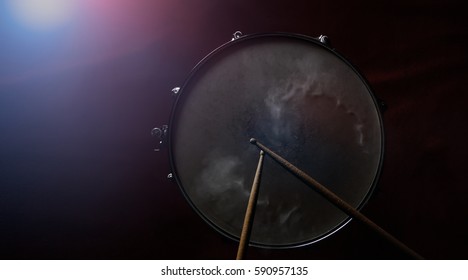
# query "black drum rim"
(209, 57)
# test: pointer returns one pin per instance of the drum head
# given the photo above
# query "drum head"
(305, 102)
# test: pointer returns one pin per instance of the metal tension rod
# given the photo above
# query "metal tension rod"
(333, 198)
(250, 212)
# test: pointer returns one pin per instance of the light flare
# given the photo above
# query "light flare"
(43, 14)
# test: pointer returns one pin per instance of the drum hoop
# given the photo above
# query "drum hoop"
(235, 42)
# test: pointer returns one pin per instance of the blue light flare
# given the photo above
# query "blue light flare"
(42, 15)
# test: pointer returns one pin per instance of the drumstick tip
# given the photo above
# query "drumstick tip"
(253, 141)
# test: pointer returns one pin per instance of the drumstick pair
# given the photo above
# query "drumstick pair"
(322, 190)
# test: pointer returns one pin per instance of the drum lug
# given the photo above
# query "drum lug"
(236, 35)
(324, 40)
(160, 134)
(175, 91)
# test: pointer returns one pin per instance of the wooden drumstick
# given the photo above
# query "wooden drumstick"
(333, 198)
(250, 212)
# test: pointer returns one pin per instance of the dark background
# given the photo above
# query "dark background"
(78, 175)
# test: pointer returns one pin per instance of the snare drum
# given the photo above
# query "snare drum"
(303, 100)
